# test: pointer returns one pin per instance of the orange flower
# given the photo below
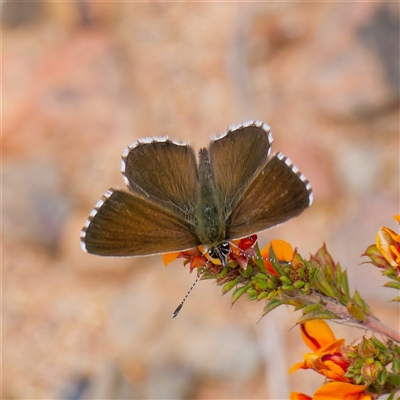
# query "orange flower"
(169, 257)
(197, 259)
(341, 390)
(335, 391)
(388, 243)
(327, 358)
(283, 251)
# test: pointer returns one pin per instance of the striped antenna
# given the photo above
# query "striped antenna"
(178, 309)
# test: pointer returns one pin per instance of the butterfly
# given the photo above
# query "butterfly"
(175, 202)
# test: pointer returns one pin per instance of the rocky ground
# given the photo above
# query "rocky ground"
(81, 80)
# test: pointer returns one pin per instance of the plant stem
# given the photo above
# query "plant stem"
(371, 323)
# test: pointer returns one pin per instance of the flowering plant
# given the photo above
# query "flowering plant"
(319, 288)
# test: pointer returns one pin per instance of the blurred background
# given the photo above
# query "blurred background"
(82, 80)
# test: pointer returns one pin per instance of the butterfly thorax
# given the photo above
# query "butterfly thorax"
(210, 227)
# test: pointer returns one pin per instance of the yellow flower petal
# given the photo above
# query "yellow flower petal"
(336, 369)
(327, 358)
(385, 244)
(364, 396)
(317, 334)
(333, 347)
(397, 236)
(331, 375)
(341, 391)
(283, 250)
(396, 253)
(169, 257)
(295, 367)
(388, 243)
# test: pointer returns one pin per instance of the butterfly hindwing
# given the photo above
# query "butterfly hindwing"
(277, 193)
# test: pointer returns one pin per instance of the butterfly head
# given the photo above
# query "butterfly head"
(220, 252)
(233, 252)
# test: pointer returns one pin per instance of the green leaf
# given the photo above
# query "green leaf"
(306, 289)
(246, 273)
(338, 276)
(299, 306)
(223, 273)
(344, 283)
(284, 279)
(393, 379)
(298, 284)
(260, 284)
(274, 262)
(381, 346)
(312, 308)
(391, 396)
(359, 380)
(252, 296)
(273, 303)
(301, 273)
(324, 314)
(228, 286)
(390, 272)
(271, 283)
(239, 292)
(271, 294)
(356, 311)
(361, 303)
(323, 285)
(262, 295)
(393, 285)
(292, 302)
(396, 366)
(260, 260)
(288, 287)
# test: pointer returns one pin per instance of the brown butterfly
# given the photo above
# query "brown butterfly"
(176, 202)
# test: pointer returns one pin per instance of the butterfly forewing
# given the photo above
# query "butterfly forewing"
(123, 224)
(278, 192)
(163, 172)
(235, 158)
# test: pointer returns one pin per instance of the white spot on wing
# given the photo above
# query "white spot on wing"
(123, 164)
(83, 246)
(310, 197)
(144, 141)
(302, 177)
(280, 156)
(246, 124)
(126, 180)
(83, 236)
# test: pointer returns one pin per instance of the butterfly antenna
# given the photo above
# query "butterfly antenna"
(178, 309)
